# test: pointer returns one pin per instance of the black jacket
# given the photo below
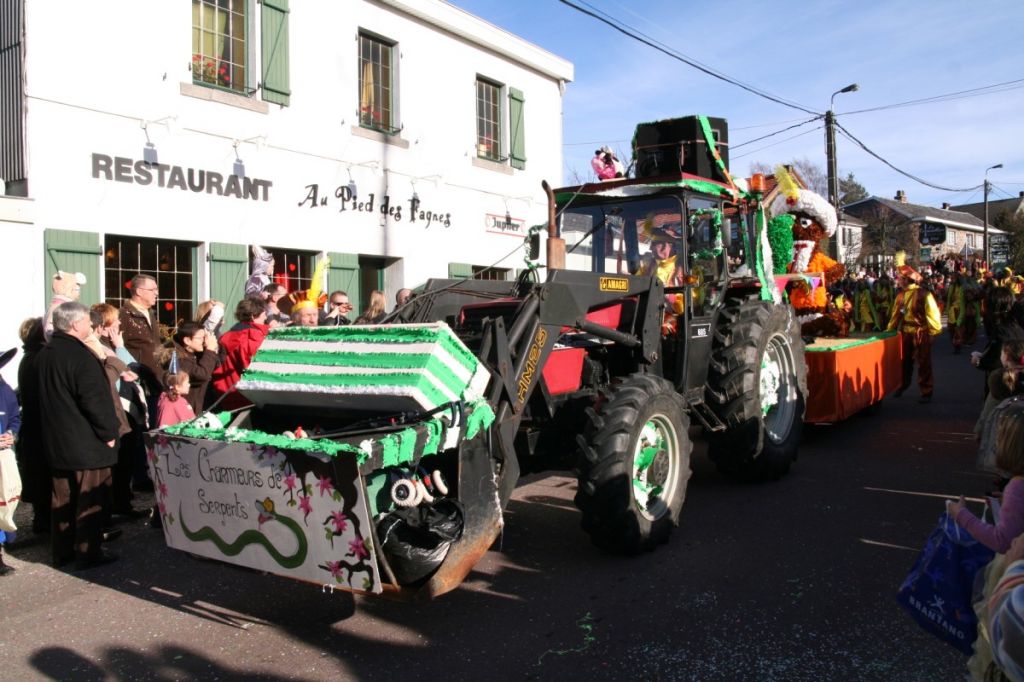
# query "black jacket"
(76, 408)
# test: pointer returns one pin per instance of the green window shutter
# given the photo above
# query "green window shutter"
(343, 275)
(274, 34)
(460, 270)
(73, 251)
(229, 268)
(517, 131)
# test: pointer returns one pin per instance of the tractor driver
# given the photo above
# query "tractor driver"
(661, 260)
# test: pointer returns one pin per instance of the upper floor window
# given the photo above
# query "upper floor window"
(376, 84)
(500, 130)
(219, 53)
(488, 120)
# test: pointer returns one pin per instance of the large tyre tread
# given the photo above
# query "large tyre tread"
(742, 451)
(604, 495)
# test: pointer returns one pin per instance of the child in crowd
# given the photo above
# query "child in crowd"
(1003, 382)
(174, 407)
(1009, 458)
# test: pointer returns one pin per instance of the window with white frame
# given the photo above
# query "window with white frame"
(488, 120)
(376, 84)
(219, 52)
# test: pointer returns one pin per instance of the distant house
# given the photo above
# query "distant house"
(938, 231)
(1012, 207)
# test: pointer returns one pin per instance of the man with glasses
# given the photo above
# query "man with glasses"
(339, 306)
(141, 331)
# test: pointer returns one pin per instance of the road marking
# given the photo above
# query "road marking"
(911, 492)
(887, 544)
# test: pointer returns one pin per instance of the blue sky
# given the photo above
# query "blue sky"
(803, 52)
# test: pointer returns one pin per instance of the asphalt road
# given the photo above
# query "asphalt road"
(792, 580)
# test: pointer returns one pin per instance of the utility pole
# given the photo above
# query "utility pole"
(984, 236)
(833, 173)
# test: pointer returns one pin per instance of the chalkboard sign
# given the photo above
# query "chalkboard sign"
(999, 250)
(932, 233)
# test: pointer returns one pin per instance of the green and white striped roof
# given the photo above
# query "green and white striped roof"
(364, 367)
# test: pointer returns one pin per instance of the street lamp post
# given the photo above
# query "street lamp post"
(984, 236)
(830, 155)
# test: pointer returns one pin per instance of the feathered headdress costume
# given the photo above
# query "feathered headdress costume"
(793, 199)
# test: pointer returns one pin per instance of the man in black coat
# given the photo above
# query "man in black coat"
(80, 434)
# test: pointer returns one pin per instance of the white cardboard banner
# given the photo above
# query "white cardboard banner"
(297, 515)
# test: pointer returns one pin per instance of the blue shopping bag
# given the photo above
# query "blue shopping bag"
(937, 591)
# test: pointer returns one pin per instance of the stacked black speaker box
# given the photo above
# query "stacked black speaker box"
(677, 145)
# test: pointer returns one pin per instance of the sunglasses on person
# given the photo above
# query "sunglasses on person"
(341, 303)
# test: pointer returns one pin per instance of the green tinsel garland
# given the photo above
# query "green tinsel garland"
(716, 223)
(780, 236)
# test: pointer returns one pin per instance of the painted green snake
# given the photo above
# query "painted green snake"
(253, 537)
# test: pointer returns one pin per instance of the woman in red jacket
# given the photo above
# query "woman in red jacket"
(237, 347)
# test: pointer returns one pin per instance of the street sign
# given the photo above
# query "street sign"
(932, 233)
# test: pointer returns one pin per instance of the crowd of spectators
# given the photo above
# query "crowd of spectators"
(93, 380)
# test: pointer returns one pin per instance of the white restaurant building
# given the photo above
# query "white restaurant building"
(404, 139)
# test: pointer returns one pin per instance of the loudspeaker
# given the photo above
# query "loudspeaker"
(677, 145)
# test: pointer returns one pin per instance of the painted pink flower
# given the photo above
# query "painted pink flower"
(162, 441)
(151, 454)
(290, 482)
(305, 505)
(357, 547)
(340, 521)
(335, 568)
(162, 507)
(163, 490)
(325, 485)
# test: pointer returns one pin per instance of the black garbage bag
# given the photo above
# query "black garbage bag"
(415, 540)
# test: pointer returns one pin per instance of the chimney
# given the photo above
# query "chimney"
(946, 206)
(901, 196)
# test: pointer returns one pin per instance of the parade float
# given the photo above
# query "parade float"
(380, 458)
(847, 370)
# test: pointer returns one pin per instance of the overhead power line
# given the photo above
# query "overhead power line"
(674, 54)
(773, 144)
(962, 94)
(847, 134)
(765, 137)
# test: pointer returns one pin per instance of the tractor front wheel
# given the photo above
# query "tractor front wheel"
(634, 465)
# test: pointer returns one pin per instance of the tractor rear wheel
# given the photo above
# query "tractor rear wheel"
(634, 465)
(758, 385)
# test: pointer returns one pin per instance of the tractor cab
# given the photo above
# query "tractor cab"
(696, 243)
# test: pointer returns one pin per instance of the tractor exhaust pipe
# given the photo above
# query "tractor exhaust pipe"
(556, 245)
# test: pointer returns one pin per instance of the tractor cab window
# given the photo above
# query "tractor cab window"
(619, 237)
(706, 223)
(737, 223)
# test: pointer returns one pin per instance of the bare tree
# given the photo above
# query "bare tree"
(812, 174)
(886, 233)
